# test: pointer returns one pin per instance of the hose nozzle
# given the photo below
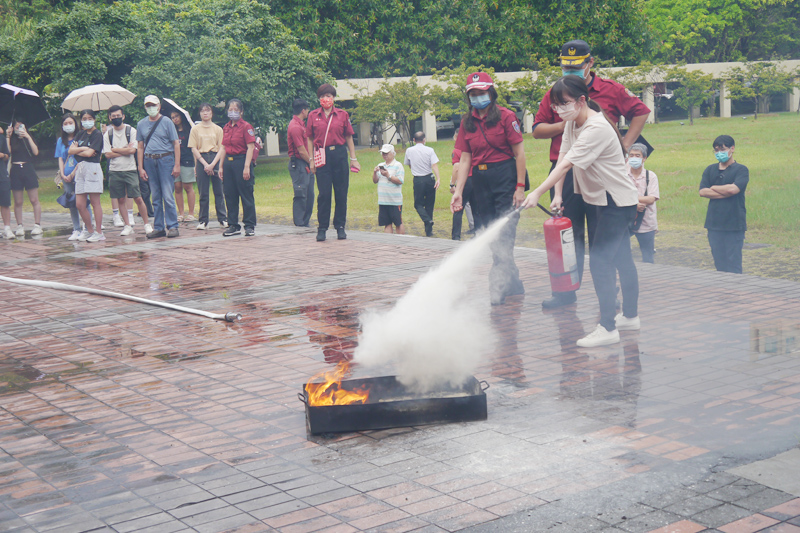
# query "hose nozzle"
(232, 317)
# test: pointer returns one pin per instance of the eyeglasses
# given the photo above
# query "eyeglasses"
(562, 108)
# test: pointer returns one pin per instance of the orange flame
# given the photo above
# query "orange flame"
(329, 392)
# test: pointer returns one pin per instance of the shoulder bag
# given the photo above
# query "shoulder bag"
(319, 153)
(637, 222)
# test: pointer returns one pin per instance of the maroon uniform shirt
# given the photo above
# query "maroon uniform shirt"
(613, 97)
(296, 136)
(502, 136)
(340, 128)
(457, 159)
(236, 137)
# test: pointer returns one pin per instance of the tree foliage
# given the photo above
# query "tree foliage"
(369, 38)
(758, 81)
(189, 50)
(695, 88)
(531, 88)
(697, 31)
(399, 103)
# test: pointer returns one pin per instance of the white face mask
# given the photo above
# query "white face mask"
(87, 124)
(635, 162)
(152, 110)
(568, 111)
(68, 128)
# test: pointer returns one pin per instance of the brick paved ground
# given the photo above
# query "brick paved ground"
(116, 416)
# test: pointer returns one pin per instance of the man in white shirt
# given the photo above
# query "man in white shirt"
(425, 169)
(119, 147)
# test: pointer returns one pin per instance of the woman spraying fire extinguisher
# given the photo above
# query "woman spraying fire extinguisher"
(592, 147)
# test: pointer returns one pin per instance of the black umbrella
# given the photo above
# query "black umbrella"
(168, 106)
(20, 104)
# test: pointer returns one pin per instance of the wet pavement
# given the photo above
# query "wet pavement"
(117, 416)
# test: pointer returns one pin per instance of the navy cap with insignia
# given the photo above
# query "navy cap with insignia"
(574, 53)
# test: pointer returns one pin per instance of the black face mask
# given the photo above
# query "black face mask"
(116, 122)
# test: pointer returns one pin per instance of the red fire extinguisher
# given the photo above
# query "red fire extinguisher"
(561, 258)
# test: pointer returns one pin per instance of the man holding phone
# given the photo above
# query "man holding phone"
(389, 177)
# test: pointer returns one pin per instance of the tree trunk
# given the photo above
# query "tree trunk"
(755, 115)
(691, 115)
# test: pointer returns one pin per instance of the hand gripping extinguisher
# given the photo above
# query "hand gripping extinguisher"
(561, 259)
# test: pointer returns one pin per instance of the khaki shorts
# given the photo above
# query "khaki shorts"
(123, 184)
(187, 175)
(88, 178)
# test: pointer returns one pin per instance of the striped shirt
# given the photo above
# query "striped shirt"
(390, 193)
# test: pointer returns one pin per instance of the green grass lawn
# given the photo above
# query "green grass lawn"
(768, 146)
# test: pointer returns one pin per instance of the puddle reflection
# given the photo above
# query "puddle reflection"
(774, 338)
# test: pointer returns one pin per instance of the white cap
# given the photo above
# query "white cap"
(151, 99)
(386, 148)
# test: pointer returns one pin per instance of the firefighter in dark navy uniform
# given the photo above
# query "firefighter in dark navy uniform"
(616, 101)
(490, 141)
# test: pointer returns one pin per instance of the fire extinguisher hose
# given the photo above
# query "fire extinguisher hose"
(228, 317)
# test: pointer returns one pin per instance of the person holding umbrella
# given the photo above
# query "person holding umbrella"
(186, 180)
(87, 149)
(5, 188)
(23, 177)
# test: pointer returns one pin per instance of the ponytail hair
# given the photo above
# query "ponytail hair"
(574, 87)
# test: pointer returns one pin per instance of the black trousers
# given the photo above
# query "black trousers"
(647, 244)
(468, 196)
(334, 174)
(144, 187)
(582, 215)
(303, 185)
(203, 182)
(726, 247)
(494, 197)
(236, 188)
(609, 253)
(425, 197)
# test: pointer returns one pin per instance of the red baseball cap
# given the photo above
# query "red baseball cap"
(480, 81)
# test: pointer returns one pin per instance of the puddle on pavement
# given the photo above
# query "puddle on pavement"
(15, 376)
(772, 338)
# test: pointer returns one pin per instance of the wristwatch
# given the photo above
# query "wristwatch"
(452, 185)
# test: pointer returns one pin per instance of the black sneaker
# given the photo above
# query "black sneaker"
(321, 234)
(560, 299)
(429, 229)
(340, 234)
(155, 234)
(249, 232)
(231, 231)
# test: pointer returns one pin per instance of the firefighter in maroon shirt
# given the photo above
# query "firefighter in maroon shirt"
(238, 143)
(299, 161)
(616, 101)
(491, 145)
(328, 128)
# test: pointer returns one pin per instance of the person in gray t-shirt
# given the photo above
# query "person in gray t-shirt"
(425, 169)
(159, 164)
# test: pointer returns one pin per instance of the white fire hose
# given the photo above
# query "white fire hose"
(228, 317)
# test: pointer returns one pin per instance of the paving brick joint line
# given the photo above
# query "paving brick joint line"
(117, 416)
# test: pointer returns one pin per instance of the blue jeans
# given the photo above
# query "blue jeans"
(69, 188)
(647, 244)
(162, 186)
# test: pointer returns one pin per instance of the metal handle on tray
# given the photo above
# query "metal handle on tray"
(302, 398)
(484, 384)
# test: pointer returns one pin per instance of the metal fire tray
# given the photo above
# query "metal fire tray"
(391, 405)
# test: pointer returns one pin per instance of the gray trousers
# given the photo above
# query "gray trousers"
(303, 185)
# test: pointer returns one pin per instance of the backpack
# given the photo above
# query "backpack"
(127, 141)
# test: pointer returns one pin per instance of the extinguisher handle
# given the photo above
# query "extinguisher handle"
(540, 206)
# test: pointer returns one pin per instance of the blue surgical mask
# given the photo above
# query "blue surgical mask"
(87, 124)
(234, 115)
(635, 162)
(569, 72)
(481, 101)
(722, 157)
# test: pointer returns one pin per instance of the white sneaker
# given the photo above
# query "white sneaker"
(100, 237)
(148, 228)
(201, 225)
(127, 230)
(599, 337)
(84, 236)
(7, 233)
(37, 230)
(20, 231)
(118, 223)
(225, 224)
(74, 236)
(627, 324)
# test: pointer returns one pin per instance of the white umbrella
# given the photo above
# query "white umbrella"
(97, 97)
(168, 106)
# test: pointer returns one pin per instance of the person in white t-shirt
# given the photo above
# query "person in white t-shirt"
(425, 169)
(592, 148)
(646, 183)
(389, 176)
(119, 147)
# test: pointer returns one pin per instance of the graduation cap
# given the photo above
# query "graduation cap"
(640, 140)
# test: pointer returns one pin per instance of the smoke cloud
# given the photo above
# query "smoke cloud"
(438, 332)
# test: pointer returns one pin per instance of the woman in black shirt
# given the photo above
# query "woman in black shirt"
(87, 149)
(23, 177)
(184, 182)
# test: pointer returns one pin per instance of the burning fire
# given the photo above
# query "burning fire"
(329, 391)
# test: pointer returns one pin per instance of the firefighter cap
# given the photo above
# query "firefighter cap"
(574, 53)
